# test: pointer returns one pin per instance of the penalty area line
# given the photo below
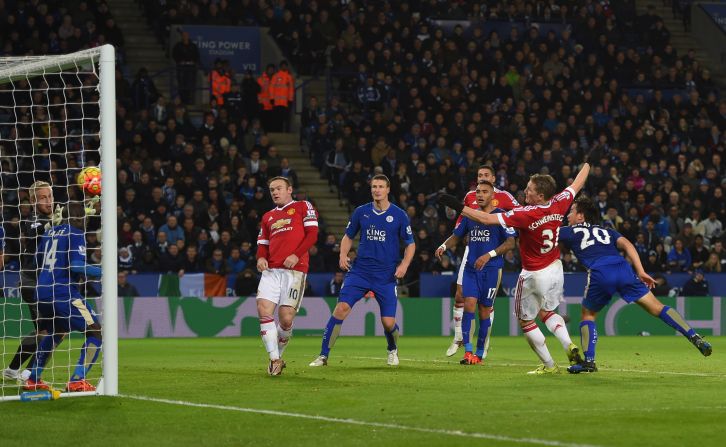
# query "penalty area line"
(456, 433)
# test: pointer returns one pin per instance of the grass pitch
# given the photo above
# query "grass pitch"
(650, 391)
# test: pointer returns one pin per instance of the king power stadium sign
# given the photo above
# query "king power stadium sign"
(239, 45)
(156, 317)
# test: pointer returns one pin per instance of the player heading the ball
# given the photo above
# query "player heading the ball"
(381, 225)
(286, 234)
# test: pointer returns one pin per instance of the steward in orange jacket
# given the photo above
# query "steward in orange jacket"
(282, 92)
(220, 81)
(282, 88)
(265, 82)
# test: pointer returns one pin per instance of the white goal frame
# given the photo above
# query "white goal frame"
(12, 68)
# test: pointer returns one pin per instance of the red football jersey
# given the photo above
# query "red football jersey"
(470, 200)
(539, 229)
(502, 199)
(283, 230)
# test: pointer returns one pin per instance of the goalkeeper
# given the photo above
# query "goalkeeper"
(41, 198)
(60, 303)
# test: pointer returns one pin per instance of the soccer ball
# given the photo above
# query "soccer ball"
(89, 179)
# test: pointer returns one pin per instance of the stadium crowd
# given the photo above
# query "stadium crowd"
(533, 99)
(424, 102)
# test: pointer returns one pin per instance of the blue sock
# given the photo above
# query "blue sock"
(485, 326)
(392, 338)
(588, 339)
(466, 330)
(332, 330)
(45, 349)
(672, 318)
(91, 349)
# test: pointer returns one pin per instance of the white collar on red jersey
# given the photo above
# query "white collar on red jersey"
(285, 206)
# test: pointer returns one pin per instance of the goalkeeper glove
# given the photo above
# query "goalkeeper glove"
(56, 218)
(451, 202)
(91, 207)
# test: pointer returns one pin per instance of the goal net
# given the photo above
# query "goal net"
(57, 117)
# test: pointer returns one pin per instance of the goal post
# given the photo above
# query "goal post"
(58, 116)
(109, 281)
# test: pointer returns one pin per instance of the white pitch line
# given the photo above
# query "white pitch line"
(406, 360)
(643, 371)
(668, 372)
(456, 433)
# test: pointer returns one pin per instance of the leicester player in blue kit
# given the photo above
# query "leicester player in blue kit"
(597, 249)
(62, 251)
(376, 268)
(483, 270)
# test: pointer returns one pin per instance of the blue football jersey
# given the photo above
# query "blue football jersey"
(60, 248)
(483, 239)
(2, 238)
(593, 245)
(380, 233)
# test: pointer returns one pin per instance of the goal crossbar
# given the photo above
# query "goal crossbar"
(22, 67)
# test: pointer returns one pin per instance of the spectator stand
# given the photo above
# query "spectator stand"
(627, 99)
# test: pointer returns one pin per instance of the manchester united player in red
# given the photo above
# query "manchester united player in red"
(503, 200)
(540, 286)
(287, 232)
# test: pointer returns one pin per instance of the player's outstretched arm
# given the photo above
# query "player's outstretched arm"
(476, 215)
(345, 245)
(480, 216)
(581, 178)
(407, 258)
(449, 243)
(632, 255)
(451, 202)
(84, 269)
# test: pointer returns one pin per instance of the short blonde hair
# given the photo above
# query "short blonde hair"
(544, 184)
(33, 190)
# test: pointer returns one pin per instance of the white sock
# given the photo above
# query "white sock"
(556, 324)
(458, 316)
(268, 331)
(489, 338)
(283, 336)
(536, 340)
